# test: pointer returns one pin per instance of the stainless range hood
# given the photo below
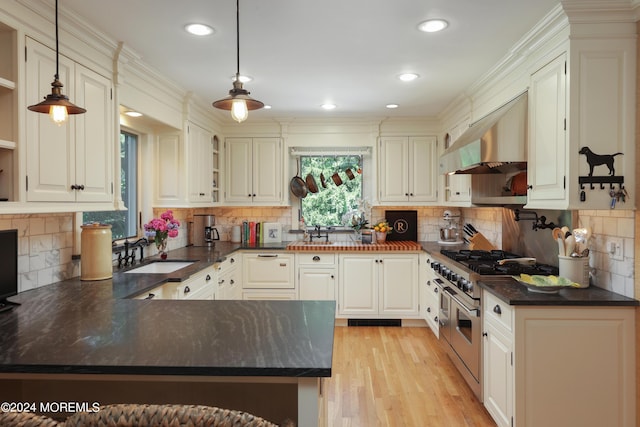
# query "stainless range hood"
(497, 143)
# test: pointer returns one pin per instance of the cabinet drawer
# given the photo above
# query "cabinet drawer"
(498, 311)
(316, 258)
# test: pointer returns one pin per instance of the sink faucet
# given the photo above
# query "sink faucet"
(130, 257)
(318, 235)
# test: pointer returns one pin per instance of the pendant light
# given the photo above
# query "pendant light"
(238, 102)
(56, 104)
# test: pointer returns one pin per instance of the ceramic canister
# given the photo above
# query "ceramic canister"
(95, 252)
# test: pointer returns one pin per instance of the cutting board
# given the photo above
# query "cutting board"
(404, 223)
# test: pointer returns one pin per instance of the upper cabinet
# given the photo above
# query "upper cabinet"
(200, 164)
(8, 114)
(407, 170)
(581, 126)
(457, 188)
(72, 162)
(253, 171)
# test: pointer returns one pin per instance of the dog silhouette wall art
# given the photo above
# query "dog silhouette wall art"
(599, 159)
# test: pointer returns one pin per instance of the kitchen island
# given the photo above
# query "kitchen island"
(90, 342)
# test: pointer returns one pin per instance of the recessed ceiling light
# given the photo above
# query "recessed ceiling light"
(267, 107)
(328, 106)
(392, 106)
(433, 25)
(408, 77)
(133, 114)
(198, 29)
(243, 79)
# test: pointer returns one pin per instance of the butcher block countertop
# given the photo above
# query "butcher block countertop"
(321, 246)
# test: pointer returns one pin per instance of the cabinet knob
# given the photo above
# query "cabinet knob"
(220, 282)
(435, 319)
(207, 278)
(232, 260)
(316, 258)
(406, 194)
(253, 195)
(484, 334)
(435, 289)
(428, 309)
(411, 194)
(529, 187)
(428, 282)
(231, 282)
(187, 289)
(497, 309)
(81, 187)
(332, 276)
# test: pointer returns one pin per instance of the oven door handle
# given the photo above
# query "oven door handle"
(474, 311)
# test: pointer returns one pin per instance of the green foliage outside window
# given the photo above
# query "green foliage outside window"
(329, 205)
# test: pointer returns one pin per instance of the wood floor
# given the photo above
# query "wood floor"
(392, 376)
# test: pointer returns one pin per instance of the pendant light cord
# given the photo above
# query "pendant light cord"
(237, 37)
(57, 54)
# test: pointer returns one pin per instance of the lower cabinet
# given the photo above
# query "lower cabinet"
(230, 279)
(558, 365)
(268, 275)
(378, 285)
(429, 295)
(316, 276)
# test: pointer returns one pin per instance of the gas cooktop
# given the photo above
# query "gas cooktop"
(485, 263)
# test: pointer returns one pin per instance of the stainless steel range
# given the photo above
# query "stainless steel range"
(460, 317)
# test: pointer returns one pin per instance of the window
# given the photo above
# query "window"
(123, 223)
(330, 204)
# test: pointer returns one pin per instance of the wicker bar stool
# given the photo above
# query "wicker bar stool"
(26, 419)
(137, 415)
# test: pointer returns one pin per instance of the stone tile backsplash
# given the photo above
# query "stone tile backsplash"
(46, 240)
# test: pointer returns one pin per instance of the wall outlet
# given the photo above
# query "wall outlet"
(616, 248)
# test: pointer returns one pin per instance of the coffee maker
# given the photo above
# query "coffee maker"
(204, 232)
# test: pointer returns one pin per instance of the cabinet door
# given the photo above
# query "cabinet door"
(268, 271)
(399, 285)
(50, 148)
(238, 154)
(393, 173)
(267, 172)
(199, 170)
(422, 171)
(169, 181)
(358, 285)
(94, 136)
(316, 283)
(547, 140)
(498, 376)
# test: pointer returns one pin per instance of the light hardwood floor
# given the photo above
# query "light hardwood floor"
(391, 376)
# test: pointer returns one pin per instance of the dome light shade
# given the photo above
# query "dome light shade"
(56, 104)
(238, 102)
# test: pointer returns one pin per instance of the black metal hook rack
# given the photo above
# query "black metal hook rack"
(601, 180)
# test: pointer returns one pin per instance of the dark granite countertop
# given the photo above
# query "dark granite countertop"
(514, 293)
(82, 327)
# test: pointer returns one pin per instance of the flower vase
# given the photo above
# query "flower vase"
(161, 245)
(381, 237)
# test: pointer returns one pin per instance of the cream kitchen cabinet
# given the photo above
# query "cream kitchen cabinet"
(72, 162)
(580, 98)
(199, 286)
(230, 279)
(200, 164)
(407, 171)
(268, 275)
(8, 113)
(457, 188)
(429, 295)
(378, 286)
(558, 365)
(317, 276)
(253, 171)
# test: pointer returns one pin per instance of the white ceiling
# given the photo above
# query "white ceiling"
(303, 53)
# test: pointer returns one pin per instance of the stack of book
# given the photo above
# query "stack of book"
(253, 232)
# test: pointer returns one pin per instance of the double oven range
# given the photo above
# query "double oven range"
(460, 316)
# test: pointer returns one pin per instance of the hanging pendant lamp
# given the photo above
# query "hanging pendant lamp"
(238, 102)
(56, 104)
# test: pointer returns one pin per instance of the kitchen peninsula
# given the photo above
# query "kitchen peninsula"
(90, 341)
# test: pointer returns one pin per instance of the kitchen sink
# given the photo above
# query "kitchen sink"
(161, 267)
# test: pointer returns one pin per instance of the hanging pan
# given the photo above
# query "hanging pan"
(311, 183)
(297, 185)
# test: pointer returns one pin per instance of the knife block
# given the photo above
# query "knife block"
(479, 242)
